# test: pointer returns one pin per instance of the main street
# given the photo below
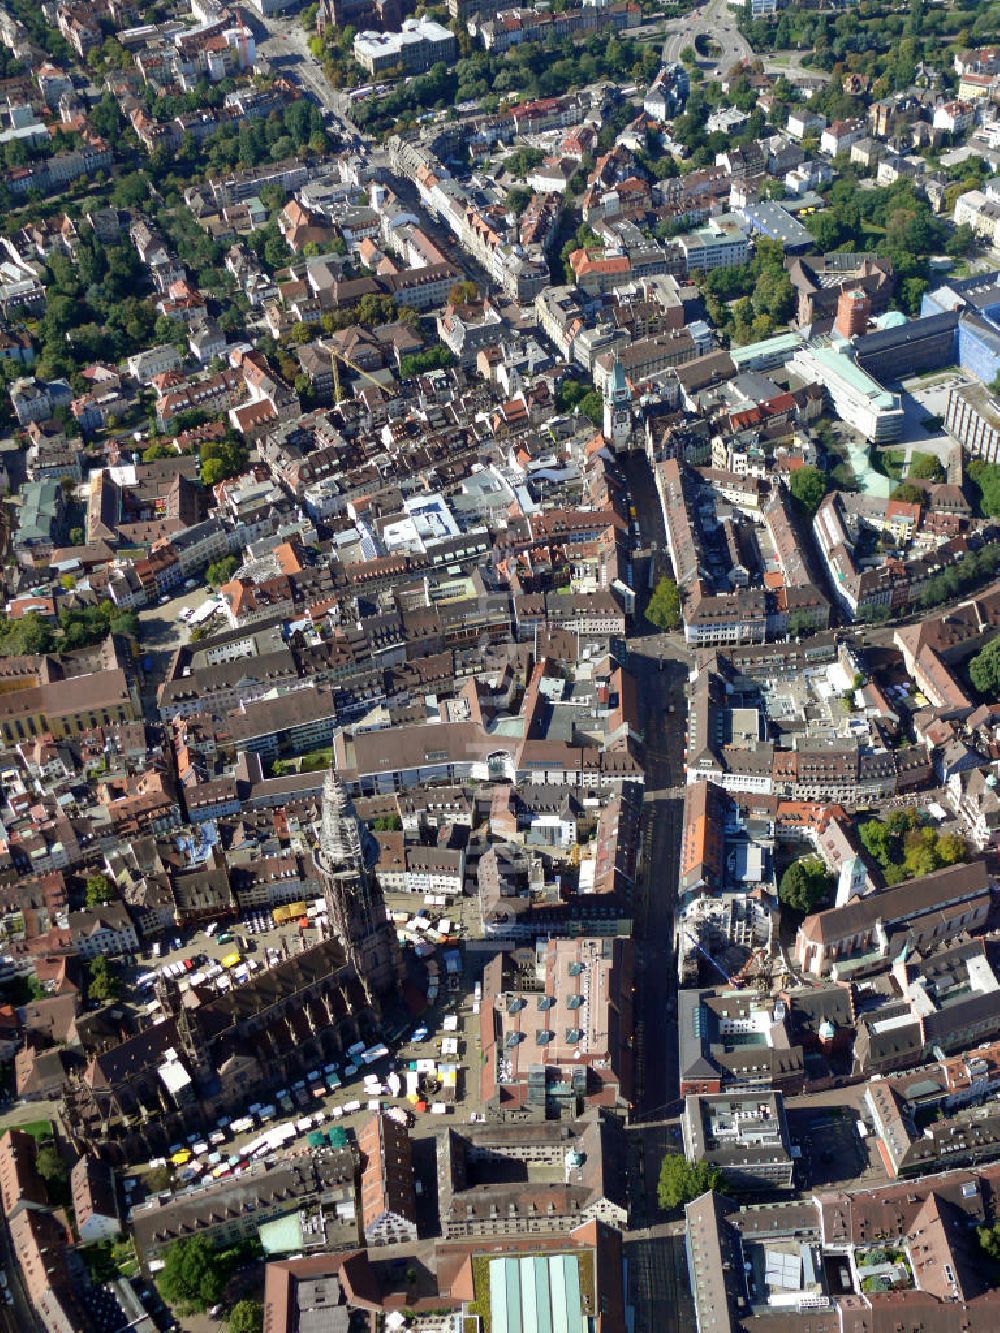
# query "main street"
(285, 43)
(660, 665)
(716, 21)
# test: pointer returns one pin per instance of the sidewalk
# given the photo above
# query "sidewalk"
(26, 1113)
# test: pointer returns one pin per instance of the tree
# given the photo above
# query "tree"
(906, 849)
(518, 199)
(194, 1274)
(985, 482)
(774, 295)
(925, 467)
(157, 451)
(984, 670)
(246, 1317)
(523, 160)
(418, 363)
(158, 1179)
(909, 493)
(221, 571)
(989, 1240)
(664, 609)
(463, 293)
(570, 393)
(221, 459)
(592, 405)
(961, 242)
(808, 486)
(100, 890)
(680, 1181)
(124, 622)
(805, 885)
(103, 984)
(52, 1169)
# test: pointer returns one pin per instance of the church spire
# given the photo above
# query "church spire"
(354, 898)
(340, 835)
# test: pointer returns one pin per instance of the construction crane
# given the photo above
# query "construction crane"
(705, 954)
(336, 356)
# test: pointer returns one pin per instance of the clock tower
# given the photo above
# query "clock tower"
(617, 408)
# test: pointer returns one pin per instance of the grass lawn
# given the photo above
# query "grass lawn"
(38, 1129)
(481, 1286)
(919, 460)
(892, 461)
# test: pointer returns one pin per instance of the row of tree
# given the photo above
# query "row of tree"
(533, 69)
(75, 627)
(905, 848)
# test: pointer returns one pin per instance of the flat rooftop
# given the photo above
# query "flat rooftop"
(536, 1294)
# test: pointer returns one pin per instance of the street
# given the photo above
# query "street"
(716, 21)
(660, 666)
(285, 43)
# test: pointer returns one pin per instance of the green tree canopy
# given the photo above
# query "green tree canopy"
(221, 459)
(463, 293)
(246, 1317)
(805, 885)
(808, 486)
(984, 670)
(680, 1181)
(104, 985)
(925, 467)
(570, 394)
(989, 1240)
(664, 609)
(51, 1166)
(984, 479)
(523, 160)
(905, 849)
(221, 571)
(517, 200)
(157, 451)
(592, 405)
(54, 1171)
(100, 890)
(194, 1274)
(158, 1178)
(909, 493)
(433, 358)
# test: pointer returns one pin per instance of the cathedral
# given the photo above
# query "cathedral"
(354, 901)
